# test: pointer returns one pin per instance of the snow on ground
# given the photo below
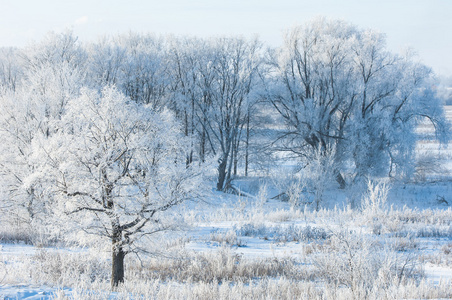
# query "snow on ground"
(215, 223)
(11, 250)
(436, 273)
(29, 292)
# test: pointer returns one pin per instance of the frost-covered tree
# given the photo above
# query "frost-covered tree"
(51, 76)
(115, 166)
(144, 77)
(339, 89)
(135, 63)
(234, 65)
(212, 88)
(189, 86)
(105, 60)
(11, 70)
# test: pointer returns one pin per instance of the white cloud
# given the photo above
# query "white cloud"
(81, 20)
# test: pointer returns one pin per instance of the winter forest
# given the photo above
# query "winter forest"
(139, 166)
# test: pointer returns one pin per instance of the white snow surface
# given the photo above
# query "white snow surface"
(29, 292)
(436, 274)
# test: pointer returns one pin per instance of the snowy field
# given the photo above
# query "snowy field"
(395, 244)
(254, 247)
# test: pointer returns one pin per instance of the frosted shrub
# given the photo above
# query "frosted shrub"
(10, 233)
(283, 234)
(59, 269)
(375, 199)
(447, 249)
(262, 195)
(34, 233)
(404, 244)
(426, 231)
(282, 179)
(307, 185)
(349, 261)
(216, 266)
(320, 172)
(296, 192)
(226, 238)
(363, 265)
(373, 205)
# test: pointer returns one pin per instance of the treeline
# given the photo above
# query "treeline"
(331, 93)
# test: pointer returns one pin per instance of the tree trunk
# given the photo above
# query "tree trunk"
(247, 143)
(202, 148)
(236, 156)
(340, 179)
(30, 209)
(117, 261)
(228, 180)
(232, 166)
(189, 158)
(236, 162)
(222, 173)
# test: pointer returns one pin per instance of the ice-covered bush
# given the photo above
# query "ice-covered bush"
(226, 238)
(362, 264)
(279, 233)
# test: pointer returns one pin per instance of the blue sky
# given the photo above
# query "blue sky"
(425, 25)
